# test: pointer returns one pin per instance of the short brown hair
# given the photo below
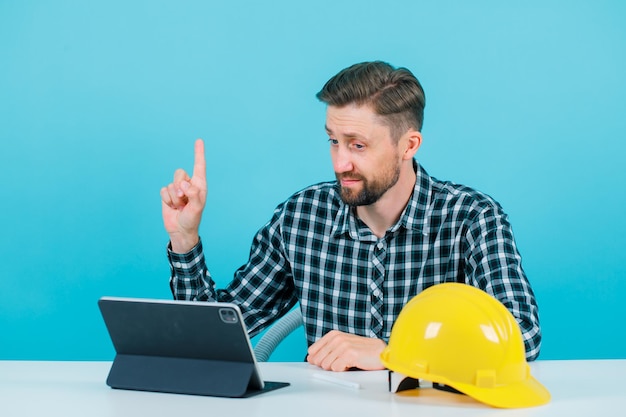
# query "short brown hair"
(394, 93)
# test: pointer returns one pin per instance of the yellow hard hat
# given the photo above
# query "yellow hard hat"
(460, 336)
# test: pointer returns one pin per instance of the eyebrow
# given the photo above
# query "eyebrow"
(348, 135)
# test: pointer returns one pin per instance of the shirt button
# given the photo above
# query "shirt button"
(376, 293)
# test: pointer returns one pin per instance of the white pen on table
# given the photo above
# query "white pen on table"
(334, 380)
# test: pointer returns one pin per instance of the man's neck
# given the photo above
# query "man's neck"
(384, 213)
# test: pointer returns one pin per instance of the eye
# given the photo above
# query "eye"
(333, 141)
(358, 146)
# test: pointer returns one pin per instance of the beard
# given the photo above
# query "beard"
(372, 190)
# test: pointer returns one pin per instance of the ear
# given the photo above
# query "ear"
(411, 143)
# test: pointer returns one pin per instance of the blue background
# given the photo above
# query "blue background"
(101, 101)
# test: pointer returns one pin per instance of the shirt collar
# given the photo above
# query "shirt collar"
(413, 217)
(346, 220)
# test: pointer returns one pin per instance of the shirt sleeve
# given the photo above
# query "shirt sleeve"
(189, 277)
(262, 288)
(495, 265)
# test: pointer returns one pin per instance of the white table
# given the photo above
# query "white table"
(578, 388)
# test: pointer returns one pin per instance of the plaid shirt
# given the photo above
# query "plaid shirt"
(315, 251)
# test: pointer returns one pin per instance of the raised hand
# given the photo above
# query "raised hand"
(183, 202)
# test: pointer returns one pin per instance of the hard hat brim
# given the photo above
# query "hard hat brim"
(527, 393)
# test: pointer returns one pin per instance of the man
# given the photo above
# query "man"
(354, 251)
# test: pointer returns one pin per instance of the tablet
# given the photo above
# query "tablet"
(183, 347)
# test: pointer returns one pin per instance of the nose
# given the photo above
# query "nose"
(341, 160)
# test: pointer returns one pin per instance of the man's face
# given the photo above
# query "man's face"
(365, 158)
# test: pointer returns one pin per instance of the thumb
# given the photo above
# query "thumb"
(196, 196)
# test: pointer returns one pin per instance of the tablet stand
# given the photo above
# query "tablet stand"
(185, 376)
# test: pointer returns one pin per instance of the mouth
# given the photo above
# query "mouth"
(348, 182)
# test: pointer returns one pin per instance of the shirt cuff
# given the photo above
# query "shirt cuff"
(186, 264)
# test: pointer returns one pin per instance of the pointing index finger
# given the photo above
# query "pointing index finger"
(199, 165)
